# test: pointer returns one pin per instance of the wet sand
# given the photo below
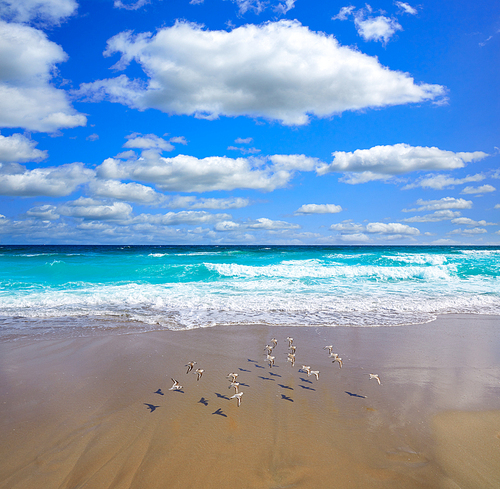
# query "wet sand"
(74, 412)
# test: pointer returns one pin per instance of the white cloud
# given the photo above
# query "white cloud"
(20, 149)
(43, 212)
(45, 11)
(348, 227)
(444, 203)
(440, 182)
(52, 181)
(90, 209)
(245, 151)
(319, 209)
(129, 192)
(391, 228)
(383, 162)
(130, 5)
(406, 8)
(283, 8)
(243, 140)
(483, 189)
(441, 215)
(497, 206)
(191, 218)
(277, 70)
(469, 231)
(178, 202)
(344, 13)
(225, 226)
(27, 99)
(189, 174)
(465, 221)
(354, 238)
(378, 28)
(268, 224)
(148, 141)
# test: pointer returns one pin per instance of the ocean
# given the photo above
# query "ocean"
(69, 291)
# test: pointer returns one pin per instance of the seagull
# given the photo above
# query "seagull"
(290, 341)
(232, 376)
(329, 348)
(291, 359)
(313, 372)
(274, 341)
(199, 373)
(235, 385)
(237, 396)
(376, 377)
(176, 386)
(190, 366)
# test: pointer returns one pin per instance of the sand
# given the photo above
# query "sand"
(97, 412)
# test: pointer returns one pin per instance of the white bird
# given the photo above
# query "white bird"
(190, 366)
(199, 373)
(376, 377)
(329, 348)
(237, 396)
(293, 349)
(269, 349)
(274, 341)
(270, 359)
(336, 358)
(235, 385)
(313, 372)
(290, 341)
(232, 376)
(291, 359)
(176, 386)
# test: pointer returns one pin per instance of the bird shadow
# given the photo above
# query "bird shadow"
(244, 370)
(151, 407)
(286, 386)
(159, 392)
(220, 413)
(305, 380)
(203, 401)
(222, 396)
(243, 384)
(266, 378)
(307, 387)
(276, 375)
(352, 394)
(286, 398)
(259, 366)
(250, 360)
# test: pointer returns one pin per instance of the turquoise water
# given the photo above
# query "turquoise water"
(83, 290)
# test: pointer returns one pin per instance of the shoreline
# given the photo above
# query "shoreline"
(74, 411)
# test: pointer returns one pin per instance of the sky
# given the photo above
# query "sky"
(252, 122)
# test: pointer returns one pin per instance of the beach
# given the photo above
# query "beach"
(97, 412)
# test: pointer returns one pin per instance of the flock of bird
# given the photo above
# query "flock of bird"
(269, 349)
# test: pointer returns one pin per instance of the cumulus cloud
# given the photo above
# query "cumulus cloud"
(441, 215)
(407, 8)
(393, 228)
(465, 221)
(27, 99)
(130, 5)
(191, 218)
(151, 141)
(483, 189)
(178, 202)
(344, 13)
(379, 28)
(444, 203)
(20, 149)
(128, 192)
(440, 182)
(279, 70)
(189, 174)
(383, 162)
(90, 209)
(319, 209)
(39, 11)
(269, 224)
(226, 226)
(51, 181)
(468, 232)
(43, 212)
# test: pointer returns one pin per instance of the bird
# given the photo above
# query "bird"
(329, 348)
(152, 407)
(290, 341)
(235, 385)
(293, 349)
(199, 373)
(291, 359)
(274, 341)
(376, 377)
(336, 358)
(232, 376)
(306, 368)
(176, 386)
(190, 366)
(270, 359)
(269, 349)
(313, 372)
(237, 396)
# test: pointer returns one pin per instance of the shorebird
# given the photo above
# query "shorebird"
(293, 349)
(269, 349)
(237, 396)
(176, 387)
(232, 376)
(190, 366)
(274, 341)
(270, 359)
(329, 348)
(199, 373)
(313, 372)
(291, 359)
(376, 377)
(336, 358)
(306, 368)
(235, 385)
(290, 341)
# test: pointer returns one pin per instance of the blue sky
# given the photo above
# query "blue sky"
(247, 122)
